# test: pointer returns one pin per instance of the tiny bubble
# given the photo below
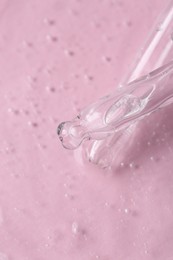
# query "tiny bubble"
(51, 88)
(16, 176)
(74, 12)
(64, 86)
(69, 53)
(107, 58)
(30, 44)
(9, 110)
(129, 23)
(97, 25)
(89, 77)
(61, 138)
(75, 228)
(131, 165)
(50, 22)
(52, 38)
(137, 166)
(32, 79)
(16, 112)
(76, 76)
(49, 70)
(26, 112)
(66, 195)
(109, 38)
(120, 3)
(27, 44)
(34, 124)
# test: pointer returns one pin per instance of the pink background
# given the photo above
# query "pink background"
(56, 56)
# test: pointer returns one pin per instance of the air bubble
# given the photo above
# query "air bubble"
(131, 165)
(32, 79)
(14, 111)
(50, 89)
(27, 44)
(50, 22)
(107, 59)
(52, 38)
(89, 77)
(70, 53)
(75, 228)
(33, 124)
(26, 112)
(129, 23)
(74, 12)
(122, 164)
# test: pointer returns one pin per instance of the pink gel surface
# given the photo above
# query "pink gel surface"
(56, 56)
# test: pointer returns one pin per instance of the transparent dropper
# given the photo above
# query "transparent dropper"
(113, 118)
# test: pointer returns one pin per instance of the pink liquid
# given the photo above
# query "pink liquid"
(56, 57)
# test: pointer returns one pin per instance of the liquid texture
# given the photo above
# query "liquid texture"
(57, 57)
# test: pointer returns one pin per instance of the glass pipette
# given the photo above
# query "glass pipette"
(109, 122)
